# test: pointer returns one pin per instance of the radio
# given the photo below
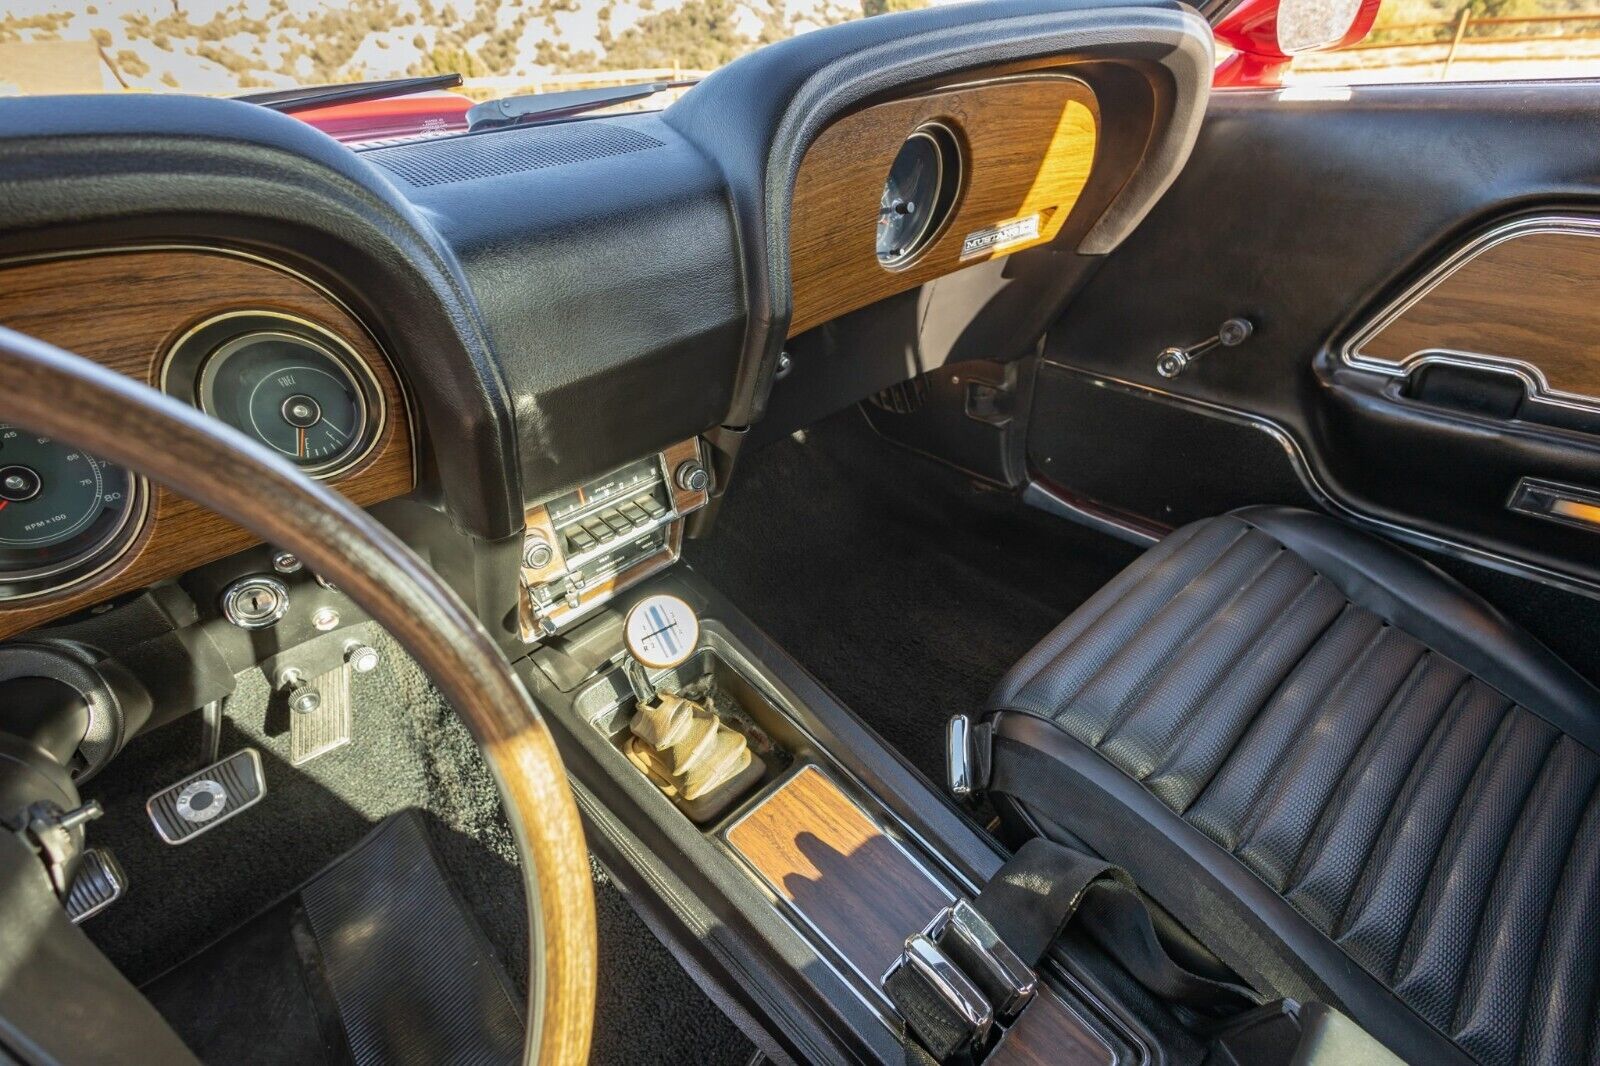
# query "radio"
(583, 547)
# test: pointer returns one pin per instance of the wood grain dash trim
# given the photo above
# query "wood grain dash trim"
(124, 309)
(1028, 145)
(827, 859)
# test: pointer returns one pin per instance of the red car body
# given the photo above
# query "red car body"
(397, 118)
(1251, 30)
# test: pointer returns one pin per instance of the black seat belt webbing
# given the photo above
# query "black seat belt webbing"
(1029, 902)
(1031, 899)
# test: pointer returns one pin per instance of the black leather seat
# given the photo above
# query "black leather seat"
(1348, 776)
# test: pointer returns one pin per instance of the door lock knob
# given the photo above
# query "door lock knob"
(1173, 361)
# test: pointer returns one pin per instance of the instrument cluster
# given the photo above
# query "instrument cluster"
(285, 382)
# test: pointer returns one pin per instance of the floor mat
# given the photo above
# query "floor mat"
(409, 750)
(373, 961)
(901, 585)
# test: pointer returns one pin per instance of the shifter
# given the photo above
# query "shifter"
(661, 632)
(680, 744)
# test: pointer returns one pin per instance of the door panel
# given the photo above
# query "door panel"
(1316, 218)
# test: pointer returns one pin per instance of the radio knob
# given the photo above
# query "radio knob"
(691, 476)
(537, 553)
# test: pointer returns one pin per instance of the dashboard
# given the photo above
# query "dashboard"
(555, 338)
(265, 351)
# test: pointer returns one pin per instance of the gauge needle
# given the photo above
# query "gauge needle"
(300, 446)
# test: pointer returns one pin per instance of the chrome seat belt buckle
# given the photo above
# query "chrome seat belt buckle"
(970, 940)
(956, 991)
(959, 771)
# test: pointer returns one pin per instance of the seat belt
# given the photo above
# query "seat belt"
(973, 967)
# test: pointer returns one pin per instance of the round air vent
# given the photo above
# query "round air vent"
(917, 196)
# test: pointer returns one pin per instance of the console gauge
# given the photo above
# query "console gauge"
(284, 382)
(917, 196)
(63, 513)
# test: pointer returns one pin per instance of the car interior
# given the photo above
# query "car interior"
(952, 542)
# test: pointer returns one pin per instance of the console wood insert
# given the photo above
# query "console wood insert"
(1028, 144)
(828, 860)
(1533, 297)
(124, 310)
(821, 853)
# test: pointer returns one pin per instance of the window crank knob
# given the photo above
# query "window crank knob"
(1235, 332)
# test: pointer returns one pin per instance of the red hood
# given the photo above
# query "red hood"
(398, 117)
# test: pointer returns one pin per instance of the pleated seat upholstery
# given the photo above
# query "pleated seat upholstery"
(1349, 777)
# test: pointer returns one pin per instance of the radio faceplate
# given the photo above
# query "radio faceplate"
(583, 547)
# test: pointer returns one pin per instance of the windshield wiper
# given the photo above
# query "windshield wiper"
(309, 96)
(552, 107)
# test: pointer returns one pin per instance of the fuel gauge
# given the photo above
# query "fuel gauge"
(292, 394)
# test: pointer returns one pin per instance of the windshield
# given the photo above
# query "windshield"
(499, 47)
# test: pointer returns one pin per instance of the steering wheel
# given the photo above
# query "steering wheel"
(116, 418)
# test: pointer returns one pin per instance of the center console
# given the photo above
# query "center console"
(831, 900)
(796, 895)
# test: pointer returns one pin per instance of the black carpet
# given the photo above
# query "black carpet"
(409, 751)
(904, 587)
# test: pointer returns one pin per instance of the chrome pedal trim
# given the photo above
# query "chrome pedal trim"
(208, 798)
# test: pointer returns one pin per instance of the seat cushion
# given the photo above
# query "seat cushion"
(1347, 775)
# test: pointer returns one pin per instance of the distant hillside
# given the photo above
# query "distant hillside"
(215, 46)
(1443, 12)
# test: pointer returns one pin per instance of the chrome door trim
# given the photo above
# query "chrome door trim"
(1539, 389)
(1320, 493)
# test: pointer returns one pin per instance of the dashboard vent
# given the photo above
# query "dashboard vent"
(453, 159)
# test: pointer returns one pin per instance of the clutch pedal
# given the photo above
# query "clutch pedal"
(205, 799)
(99, 883)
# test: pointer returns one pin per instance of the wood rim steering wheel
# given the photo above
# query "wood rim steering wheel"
(121, 420)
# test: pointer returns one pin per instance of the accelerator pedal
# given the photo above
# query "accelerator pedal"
(98, 884)
(207, 798)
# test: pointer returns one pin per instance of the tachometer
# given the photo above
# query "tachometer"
(288, 384)
(63, 513)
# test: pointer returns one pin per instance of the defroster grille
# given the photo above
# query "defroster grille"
(452, 159)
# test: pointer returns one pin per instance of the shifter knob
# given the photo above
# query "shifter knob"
(660, 632)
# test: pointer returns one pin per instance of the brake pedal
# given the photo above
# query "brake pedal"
(99, 883)
(205, 799)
